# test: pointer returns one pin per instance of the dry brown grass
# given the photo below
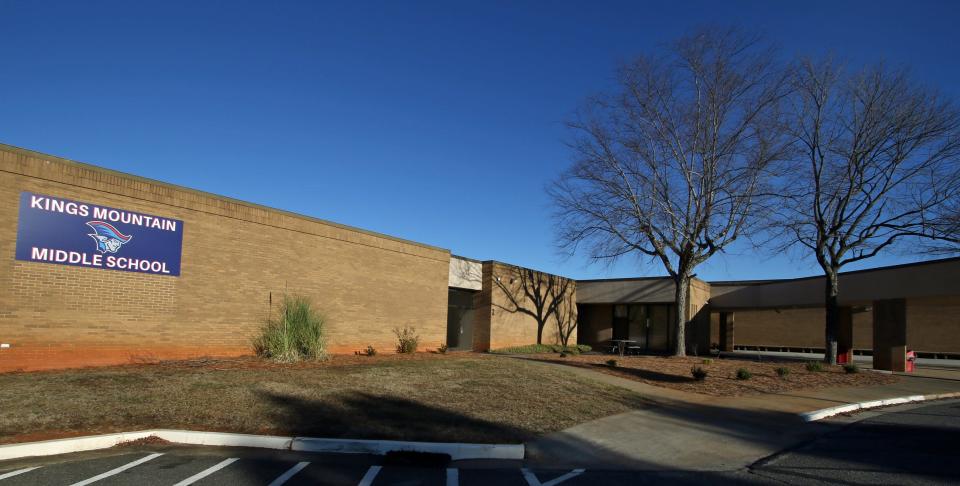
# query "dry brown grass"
(457, 397)
(721, 380)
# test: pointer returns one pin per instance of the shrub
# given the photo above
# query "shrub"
(814, 366)
(407, 339)
(851, 368)
(783, 371)
(612, 363)
(528, 349)
(743, 374)
(296, 334)
(698, 373)
(542, 349)
(370, 351)
(442, 349)
(707, 361)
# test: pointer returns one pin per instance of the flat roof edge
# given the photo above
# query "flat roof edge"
(850, 272)
(461, 257)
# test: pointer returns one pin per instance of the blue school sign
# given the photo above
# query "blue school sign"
(65, 232)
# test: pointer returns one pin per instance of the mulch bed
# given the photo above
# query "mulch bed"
(145, 441)
(205, 364)
(674, 372)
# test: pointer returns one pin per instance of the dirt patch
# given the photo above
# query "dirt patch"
(721, 380)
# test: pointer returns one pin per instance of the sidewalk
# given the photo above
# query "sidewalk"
(688, 431)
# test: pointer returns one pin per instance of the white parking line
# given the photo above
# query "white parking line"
(206, 472)
(119, 469)
(17, 472)
(533, 481)
(289, 474)
(370, 476)
(453, 477)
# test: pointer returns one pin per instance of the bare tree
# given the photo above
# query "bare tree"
(533, 293)
(876, 164)
(673, 165)
(946, 229)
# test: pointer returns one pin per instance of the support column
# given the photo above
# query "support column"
(845, 335)
(726, 331)
(890, 334)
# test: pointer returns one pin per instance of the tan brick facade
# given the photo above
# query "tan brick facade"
(596, 325)
(56, 316)
(932, 326)
(698, 329)
(496, 327)
(797, 328)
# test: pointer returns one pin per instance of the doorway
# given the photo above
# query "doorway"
(648, 325)
(460, 317)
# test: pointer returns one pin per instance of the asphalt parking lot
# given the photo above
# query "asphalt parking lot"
(181, 466)
(904, 445)
(909, 444)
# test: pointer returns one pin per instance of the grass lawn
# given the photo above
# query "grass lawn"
(673, 372)
(456, 397)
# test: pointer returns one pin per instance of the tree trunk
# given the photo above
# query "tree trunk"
(540, 325)
(681, 294)
(831, 291)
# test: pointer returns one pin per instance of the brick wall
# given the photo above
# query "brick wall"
(799, 328)
(232, 268)
(698, 329)
(933, 324)
(596, 325)
(496, 327)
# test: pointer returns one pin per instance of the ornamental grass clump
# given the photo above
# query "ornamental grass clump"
(783, 371)
(407, 339)
(744, 374)
(814, 366)
(295, 334)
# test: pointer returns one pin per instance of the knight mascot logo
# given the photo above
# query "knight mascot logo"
(108, 238)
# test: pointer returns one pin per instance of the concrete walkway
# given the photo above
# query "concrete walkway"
(689, 431)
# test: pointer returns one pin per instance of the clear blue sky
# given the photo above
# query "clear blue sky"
(435, 122)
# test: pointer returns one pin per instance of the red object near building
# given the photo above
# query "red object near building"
(911, 361)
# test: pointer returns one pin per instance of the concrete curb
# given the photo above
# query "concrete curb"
(456, 451)
(853, 407)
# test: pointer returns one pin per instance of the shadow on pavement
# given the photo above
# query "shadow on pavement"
(880, 450)
(359, 415)
(396, 418)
